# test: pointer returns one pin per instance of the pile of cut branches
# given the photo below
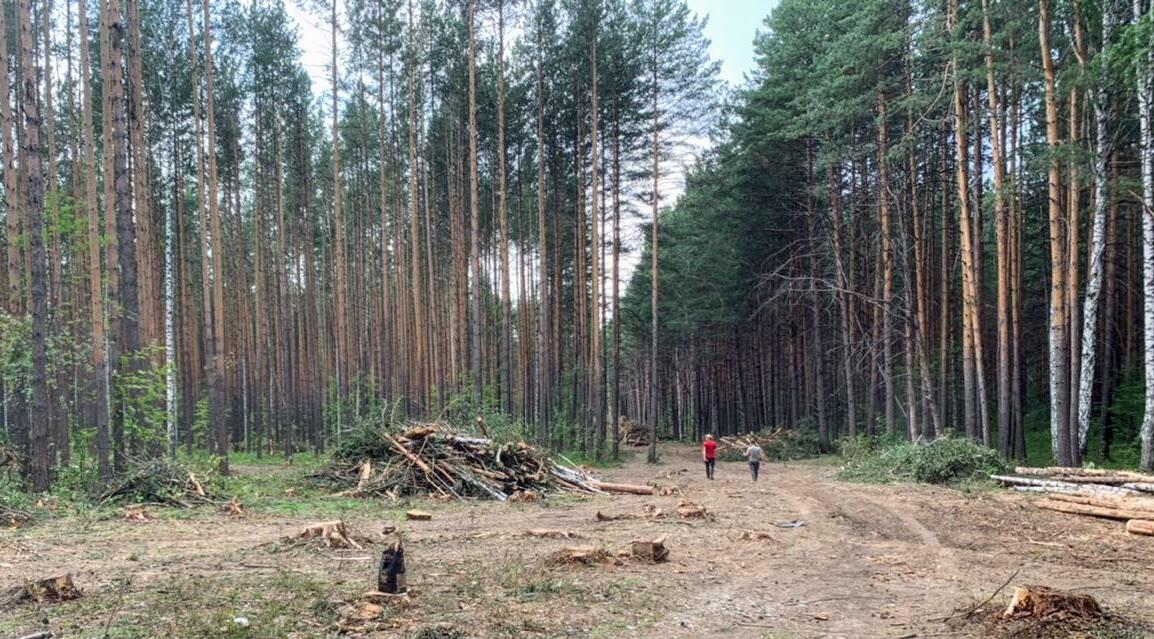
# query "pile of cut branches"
(432, 459)
(633, 433)
(158, 481)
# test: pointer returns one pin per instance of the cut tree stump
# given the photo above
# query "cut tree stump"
(756, 535)
(651, 550)
(1140, 527)
(50, 590)
(587, 555)
(391, 570)
(630, 489)
(1092, 511)
(419, 515)
(1039, 602)
(334, 534)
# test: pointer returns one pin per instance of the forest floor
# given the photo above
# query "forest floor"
(870, 561)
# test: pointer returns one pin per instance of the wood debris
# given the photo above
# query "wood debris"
(418, 515)
(158, 481)
(332, 534)
(548, 533)
(233, 508)
(756, 535)
(691, 510)
(50, 590)
(136, 514)
(1040, 602)
(428, 459)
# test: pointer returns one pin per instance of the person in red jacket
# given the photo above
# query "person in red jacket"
(709, 454)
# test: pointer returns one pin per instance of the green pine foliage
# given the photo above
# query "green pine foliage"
(947, 460)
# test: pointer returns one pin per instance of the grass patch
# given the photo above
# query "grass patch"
(946, 460)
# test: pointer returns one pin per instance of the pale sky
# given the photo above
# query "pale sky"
(731, 29)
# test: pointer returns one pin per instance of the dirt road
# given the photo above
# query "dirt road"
(869, 561)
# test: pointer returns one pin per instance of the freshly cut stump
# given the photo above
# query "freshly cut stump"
(419, 515)
(50, 590)
(1040, 602)
(587, 555)
(651, 550)
(690, 510)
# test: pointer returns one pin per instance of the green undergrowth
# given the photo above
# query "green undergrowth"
(946, 460)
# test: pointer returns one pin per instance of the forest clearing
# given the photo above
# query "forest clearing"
(870, 561)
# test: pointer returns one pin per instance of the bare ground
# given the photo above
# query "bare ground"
(871, 561)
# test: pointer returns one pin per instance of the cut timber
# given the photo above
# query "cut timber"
(1053, 485)
(652, 550)
(1054, 471)
(1141, 486)
(1123, 503)
(419, 515)
(334, 534)
(1039, 602)
(587, 555)
(1092, 511)
(631, 489)
(1140, 527)
(50, 590)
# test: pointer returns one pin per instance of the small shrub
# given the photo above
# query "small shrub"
(946, 460)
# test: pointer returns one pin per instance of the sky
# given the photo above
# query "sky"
(731, 28)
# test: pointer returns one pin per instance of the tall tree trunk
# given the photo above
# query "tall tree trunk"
(1146, 146)
(1059, 308)
(474, 219)
(1104, 117)
(32, 162)
(218, 411)
(101, 401)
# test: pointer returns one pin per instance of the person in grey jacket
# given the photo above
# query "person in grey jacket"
(754, 454)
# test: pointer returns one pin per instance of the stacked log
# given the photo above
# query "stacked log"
(1093, 492)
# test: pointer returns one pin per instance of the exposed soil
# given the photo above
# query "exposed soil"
(870, 561)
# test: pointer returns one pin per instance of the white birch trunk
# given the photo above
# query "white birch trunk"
(1144, 68)
(169, 334)
(1103, 114)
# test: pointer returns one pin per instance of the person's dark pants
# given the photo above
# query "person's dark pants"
(709, 464)
(753, 468)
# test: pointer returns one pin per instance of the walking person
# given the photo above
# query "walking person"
(709, 454)
(754, 454)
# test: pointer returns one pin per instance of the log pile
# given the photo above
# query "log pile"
(1093, 492)
(432, 460)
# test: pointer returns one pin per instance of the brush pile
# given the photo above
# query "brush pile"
(431, 459)
(633, 433)
(1093, 492)
(158, 481)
